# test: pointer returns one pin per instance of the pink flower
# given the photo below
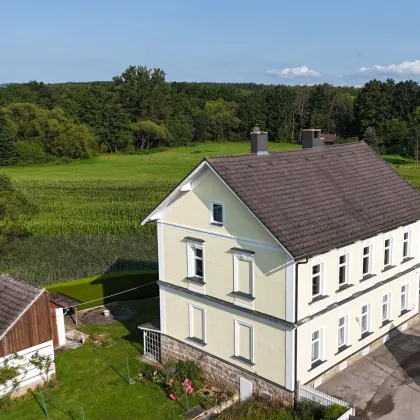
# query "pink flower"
(172, 397)
(186, 382)
(171, 381)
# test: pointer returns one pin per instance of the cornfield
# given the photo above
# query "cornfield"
(92, 207)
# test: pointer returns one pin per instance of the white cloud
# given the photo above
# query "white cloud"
(292, 72)
(406, 68)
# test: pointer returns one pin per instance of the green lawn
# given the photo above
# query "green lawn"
(95, 378)
(96, 287)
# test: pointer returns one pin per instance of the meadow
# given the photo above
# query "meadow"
(90, 210)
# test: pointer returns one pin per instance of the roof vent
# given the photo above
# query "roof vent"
(259, 141)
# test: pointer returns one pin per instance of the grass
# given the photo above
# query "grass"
(95, 378)
(50, 259)
(96, 287)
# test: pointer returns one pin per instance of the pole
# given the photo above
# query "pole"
(83, 413)
(417, 152)
(128, 371)
(43, 402)
(188, 403)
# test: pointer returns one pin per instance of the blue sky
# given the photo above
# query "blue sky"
(266, 41)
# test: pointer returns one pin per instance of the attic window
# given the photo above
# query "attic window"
(216, 213)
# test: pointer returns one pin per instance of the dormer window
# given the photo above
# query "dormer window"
(216, 213)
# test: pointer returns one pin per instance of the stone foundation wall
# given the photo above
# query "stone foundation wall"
(219, 371)
(361, 353)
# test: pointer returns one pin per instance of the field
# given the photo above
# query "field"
(90, 211)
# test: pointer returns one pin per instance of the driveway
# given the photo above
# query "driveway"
(385, 384)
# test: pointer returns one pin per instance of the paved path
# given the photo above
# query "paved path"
(385, 384)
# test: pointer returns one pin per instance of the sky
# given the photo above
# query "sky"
(267, 41)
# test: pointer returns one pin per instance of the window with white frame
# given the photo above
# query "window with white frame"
(406, 244)
(405, 297)
(196, 260)
(366, 260)
(316, 346)
(244, 341)
(342, 331)
(365, 319)
(317, 273)
(216, 213)
(197, 323)
(343, 269)
(243, 273)
(386, 307)
(387, 252)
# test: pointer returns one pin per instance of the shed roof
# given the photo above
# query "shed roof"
(64, 301)
(16, 296)
(313, 200)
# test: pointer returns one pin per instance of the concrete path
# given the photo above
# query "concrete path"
(385, 384)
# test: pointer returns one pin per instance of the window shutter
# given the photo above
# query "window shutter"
(245, 337)
(245, 276)
(198, 323)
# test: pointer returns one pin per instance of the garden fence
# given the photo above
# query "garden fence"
(311, 394)
(44, 395)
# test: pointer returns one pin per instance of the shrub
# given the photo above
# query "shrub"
(333, 412)
(189, 369)
(5, 403)
(31, 153)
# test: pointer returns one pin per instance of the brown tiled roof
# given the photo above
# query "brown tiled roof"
(15, 297)
(313, 200)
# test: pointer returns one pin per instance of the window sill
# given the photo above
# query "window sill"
(407, 259)
(385, 323)
(316, 364)
(197, 341)
(317, 299)
(216, 224)
(404, 312)
(366, 334)
(387, 268)
(243, 360)
(367, 277)
(196, 280)
(344, 286)
(243, 295)
(341, 349)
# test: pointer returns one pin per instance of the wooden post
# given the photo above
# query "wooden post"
(75, 310)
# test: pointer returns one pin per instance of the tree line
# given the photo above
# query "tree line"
(140, 110)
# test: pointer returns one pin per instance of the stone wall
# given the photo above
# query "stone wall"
(219, 371)
(362, 352)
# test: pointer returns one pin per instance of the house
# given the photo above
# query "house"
(282, 268)
(25, 328)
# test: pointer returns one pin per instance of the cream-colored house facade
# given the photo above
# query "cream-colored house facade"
(236, 299)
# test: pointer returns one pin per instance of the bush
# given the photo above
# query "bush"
(333, 412)
(31, 153)
(5, 403)
(190, 370)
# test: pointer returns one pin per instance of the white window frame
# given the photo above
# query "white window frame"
(346, 331)
(346, 264)
(321, 345)
(369, 256)
(212, 221)
(241, 256)
(388, 318)
(191, 257)
(237, 340)
(391, 250)
(408, 240)
(321, 278)
(368, 320)
(191, 307)
(407, 297)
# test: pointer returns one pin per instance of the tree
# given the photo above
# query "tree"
(8, 152)
(147, 133)
(222, 117)
(14, 208)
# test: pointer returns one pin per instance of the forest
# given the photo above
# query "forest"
(139, 110)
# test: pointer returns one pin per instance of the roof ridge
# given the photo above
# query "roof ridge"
(207, 158)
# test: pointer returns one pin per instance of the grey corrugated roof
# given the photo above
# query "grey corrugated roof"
(313, 200)
(15, 297)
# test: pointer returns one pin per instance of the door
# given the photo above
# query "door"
(245, 389)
